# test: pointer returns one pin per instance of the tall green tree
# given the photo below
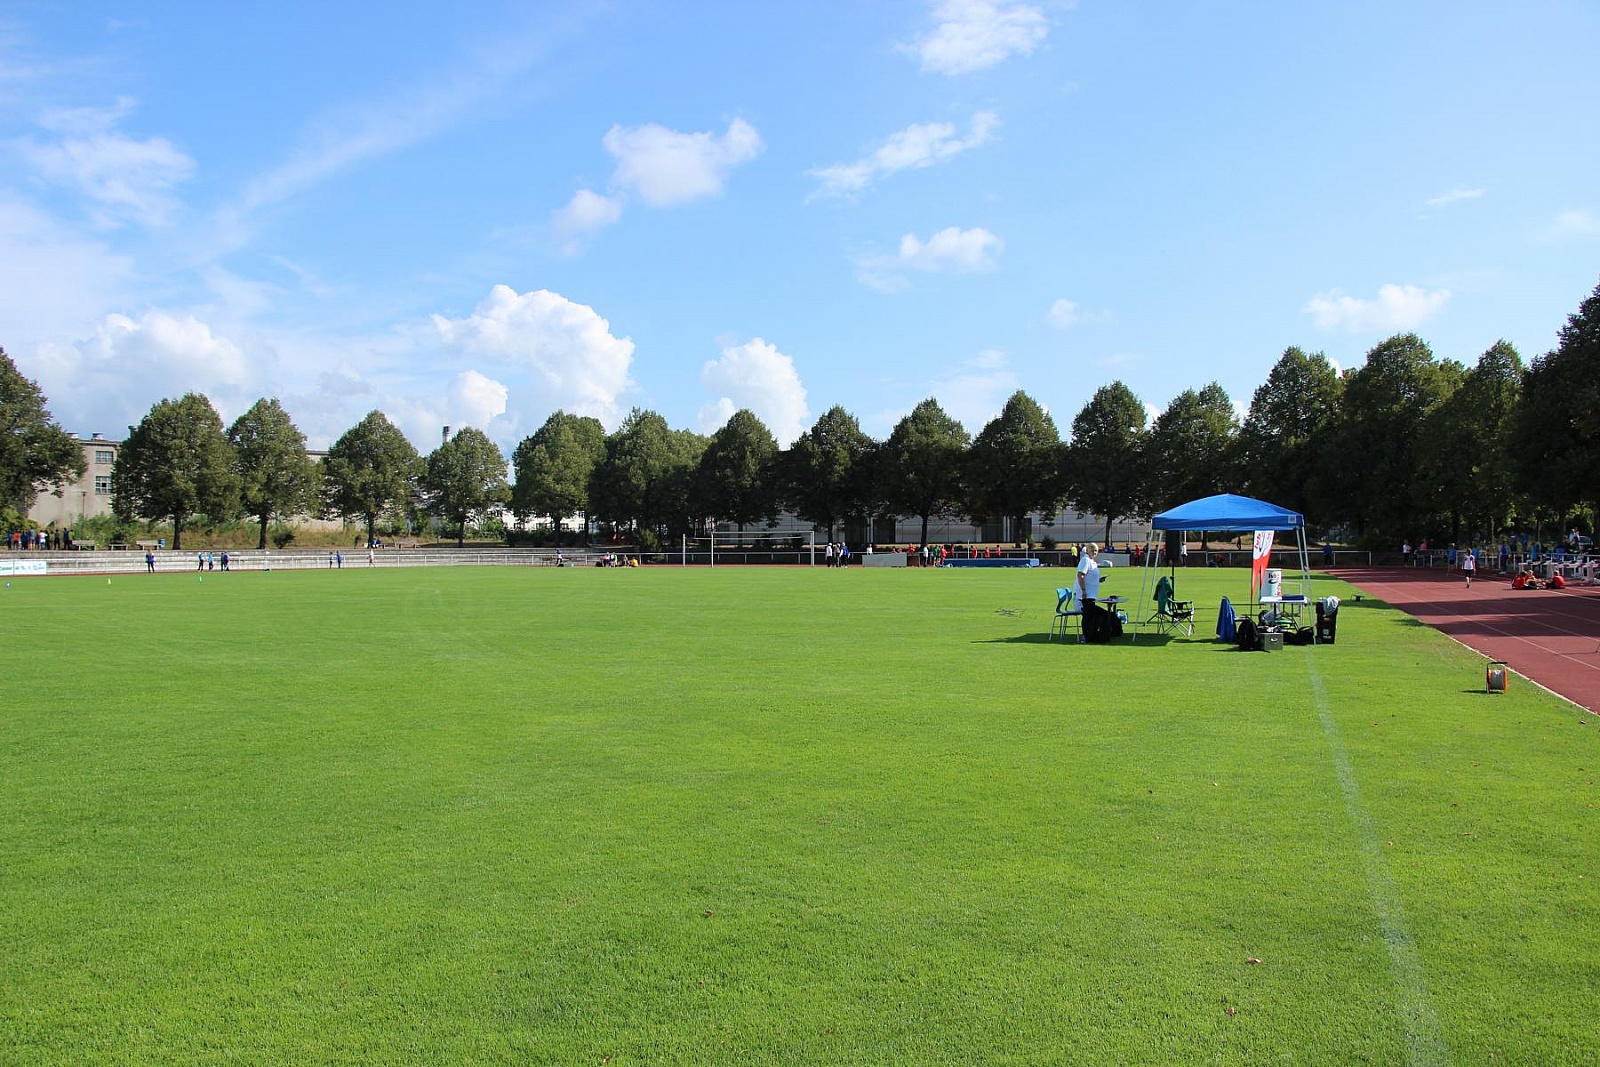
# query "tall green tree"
(1464, 455)
(1556, 431)
(35, 453)
(1278, 447)
(1373, 449)
(825, 474)
(1190, 452)
(645, 483)
(465, 479)
(276, 477)
(553, 468)
(737, 473)
(371, 471)
(175, 464)
(682, 508)
(1014, 464)
(921, 464)
(1105, 472)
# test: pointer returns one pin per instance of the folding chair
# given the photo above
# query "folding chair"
(1172, 615)
(1067, 609)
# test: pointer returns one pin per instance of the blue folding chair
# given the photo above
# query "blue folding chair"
(1067, 609)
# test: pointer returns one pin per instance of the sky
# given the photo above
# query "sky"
(477, 213)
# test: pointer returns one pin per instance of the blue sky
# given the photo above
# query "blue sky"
(476, 213)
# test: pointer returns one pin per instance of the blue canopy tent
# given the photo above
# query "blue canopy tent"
(1226, 513)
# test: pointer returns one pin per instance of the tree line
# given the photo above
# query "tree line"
(1406, 445)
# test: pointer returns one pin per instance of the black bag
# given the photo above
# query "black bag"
(1305, 635)
(1113, 626)
(1249, 640)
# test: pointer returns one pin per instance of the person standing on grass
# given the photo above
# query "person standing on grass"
(1089, 592)
(1469, 565)
(372, 556)
(150, 562)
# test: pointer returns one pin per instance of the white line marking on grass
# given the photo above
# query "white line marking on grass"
(1424, 1046)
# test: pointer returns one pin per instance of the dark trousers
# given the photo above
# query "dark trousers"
(1094, 622)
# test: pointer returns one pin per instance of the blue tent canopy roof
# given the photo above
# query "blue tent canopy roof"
(1228, 512)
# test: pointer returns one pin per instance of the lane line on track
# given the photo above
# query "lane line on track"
(1375, 592)
(1442, 609)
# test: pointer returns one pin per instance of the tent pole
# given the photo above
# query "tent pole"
(1305, 577)
(1144, 579)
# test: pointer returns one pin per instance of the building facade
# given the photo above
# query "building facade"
(90, 496)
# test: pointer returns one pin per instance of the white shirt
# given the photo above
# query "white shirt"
(1088, 577)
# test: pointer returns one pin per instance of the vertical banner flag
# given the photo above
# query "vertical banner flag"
(1259, 559)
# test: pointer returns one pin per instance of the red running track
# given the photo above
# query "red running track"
(1551, 636)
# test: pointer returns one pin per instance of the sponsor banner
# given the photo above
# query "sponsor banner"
(9, 567)
(1260, 558)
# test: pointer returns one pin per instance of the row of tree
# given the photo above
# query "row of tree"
(179, 463)
(1404, 446)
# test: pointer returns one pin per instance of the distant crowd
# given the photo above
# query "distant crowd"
(41, 540)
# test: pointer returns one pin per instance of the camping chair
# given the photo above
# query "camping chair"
(1067, 609)
(1172, 616)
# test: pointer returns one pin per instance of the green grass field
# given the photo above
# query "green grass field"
(581, 816)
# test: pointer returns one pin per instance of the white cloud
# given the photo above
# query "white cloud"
(352, 133)
(1064, 313)
(126, 179)
(586, 211)
(1576, 224)
(665, 167)
(569, 350)
(1453, 196)
(476, 399)
(1397, 308)
(757, 376)
(973, 35)
(918, 145)
(54, 281)
(108, 381)
(950, 251)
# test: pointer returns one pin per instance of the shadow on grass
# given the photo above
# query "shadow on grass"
(1145, 640)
